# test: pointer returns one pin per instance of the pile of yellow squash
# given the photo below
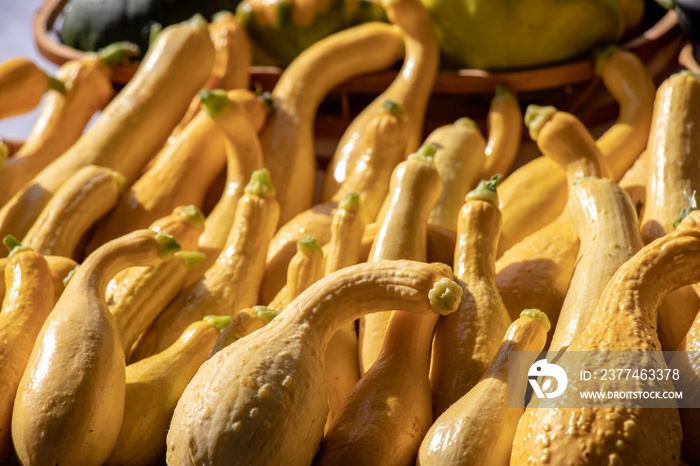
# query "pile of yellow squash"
(181, 285)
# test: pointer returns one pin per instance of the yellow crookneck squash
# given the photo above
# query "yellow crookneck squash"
(132, 127)
(287, 139)
(381, 149)
(70, 401)
(22, 86)
(232, 283)
(153, 386)
(466, 340)
(478, 429)
(78, 204)
(63, 116)
(504, 123)
(411, 90)
(535, 194)
(624, 320)
(27, 303)
(193, 159)
(415, 187)
(673, 176)
(269, 385)
(459, 162)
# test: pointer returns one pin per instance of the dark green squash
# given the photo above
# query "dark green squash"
(89, 25)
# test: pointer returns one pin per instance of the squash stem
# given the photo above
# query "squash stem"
(535, 118)
(260, 183)
(445, 296)
(190, 258)
(153, 32)
(601, 56)
(309, 246)
(351, 201)
(426, 153)
(218, 322)
(118, 53)
(214, 102)
(486, 190)
(192, 215)
(55, 84)
(167, 246)
(502, 92)
(14, 246)
(265, 313)
(394, 108)
(537, 315)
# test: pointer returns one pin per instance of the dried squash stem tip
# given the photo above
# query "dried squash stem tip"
(537, 315)
(535, 118)
(214, 102)
(192, 215)
(485, 191)
(351, 201)
(218, 322)
(167, 246)
(4, 154)
(190, 258)
(118, 53)
(14, 245)
(55, 84)
(601, 55)
(221, 15)
(265, 313)
(466, 121)
(260, 183)
(426, 153)
(309, 246)
(394, 108)
(445, 296)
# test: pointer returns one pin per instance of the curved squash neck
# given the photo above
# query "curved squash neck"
(355, 291)
(631, 299)
(133, 250)
(408, 339)
(417, 75)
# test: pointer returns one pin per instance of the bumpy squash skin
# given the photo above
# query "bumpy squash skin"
(153, 386)
(624, 320)
(70, 401)
(287, 139)
(466, 340)
(132, 127)
(61, 121)
(415, 187)
(478, 429)
(29, 300)
(276, 390)
(410, 89)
